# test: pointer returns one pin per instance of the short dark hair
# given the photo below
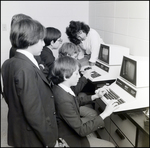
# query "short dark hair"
(52, 34)
(74, 28)
(63, 67)
(26, 32)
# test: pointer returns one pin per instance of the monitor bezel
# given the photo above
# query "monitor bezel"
(100, 53)
(133, 82)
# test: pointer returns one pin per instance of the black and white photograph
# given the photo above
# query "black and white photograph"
(74, 74)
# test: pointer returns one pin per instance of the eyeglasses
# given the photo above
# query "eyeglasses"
(59, 40)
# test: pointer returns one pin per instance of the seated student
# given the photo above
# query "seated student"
(68, 49)
(71, 50)
(52, 42)
(72, 128)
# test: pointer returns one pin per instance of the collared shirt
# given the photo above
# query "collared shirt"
(67, 89)
(29, 55)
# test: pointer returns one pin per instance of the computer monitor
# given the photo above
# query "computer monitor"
(131, 88)
(112, 54)
(135, 70)
(108, 63)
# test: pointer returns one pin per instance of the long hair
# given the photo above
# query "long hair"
(74, 28)
(63, 67)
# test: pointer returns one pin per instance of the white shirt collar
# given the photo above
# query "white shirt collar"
(29, 55)
(67, 89)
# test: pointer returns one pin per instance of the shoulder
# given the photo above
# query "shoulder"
(57, 90)
(61, 95)
(93, 31)
(94, 35)
(46, 51)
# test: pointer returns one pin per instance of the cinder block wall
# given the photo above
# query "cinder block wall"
(124, 23)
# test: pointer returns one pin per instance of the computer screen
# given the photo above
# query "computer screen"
(128, 70)
(135, 70)
(112, 54)
(104, 53)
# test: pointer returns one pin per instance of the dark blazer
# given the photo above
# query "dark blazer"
(31, 110)
(47, 56)
(70, 125)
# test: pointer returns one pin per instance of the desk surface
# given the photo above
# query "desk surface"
(137, 117)
(111, 74)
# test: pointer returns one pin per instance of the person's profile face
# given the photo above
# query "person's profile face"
(75, 77)
(81, 35)
(37, 48)
(57, 43)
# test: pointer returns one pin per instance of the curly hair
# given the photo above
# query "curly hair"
(74, 28)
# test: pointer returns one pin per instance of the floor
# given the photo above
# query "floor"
(4, 110)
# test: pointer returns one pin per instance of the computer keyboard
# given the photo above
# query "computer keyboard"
(113, 96)
(94, 74)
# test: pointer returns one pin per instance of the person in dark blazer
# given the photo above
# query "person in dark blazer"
(73, 128)
(52, 42)
(31, 109)
(12, 53)
(70, 49)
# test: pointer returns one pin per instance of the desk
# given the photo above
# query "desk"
(111, 73)
(138, 118)
(107, 72)
(124, 130)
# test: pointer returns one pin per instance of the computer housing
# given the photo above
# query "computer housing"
(133, 83)
(109, 61)
(112, 54)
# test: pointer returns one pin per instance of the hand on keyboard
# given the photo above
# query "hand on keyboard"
(110, 108)
(94, 74)
(111, 95)
(101, 91)
(87, 73)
